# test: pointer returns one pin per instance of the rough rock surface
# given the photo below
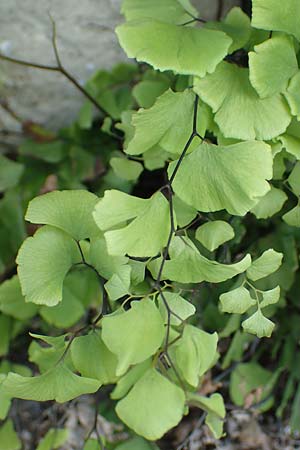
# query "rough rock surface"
(86, 41)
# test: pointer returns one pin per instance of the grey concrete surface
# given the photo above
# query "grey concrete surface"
(86, 41)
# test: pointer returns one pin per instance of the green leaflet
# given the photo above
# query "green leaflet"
(92, 358)
(12, 301)
(168, 123)
(137, 443)
(259, 325)
(215, 408)
(9, 439)
(153, 406)
(195, 353)
(270, 297)
(46, 357)
(124, 168)
(126, 382)
(5, 400)
(71, 211)
(270, 204)
(107, 265)
(291, 139)
(178, 305)
(187, 265)
(54, 439)
(229, 177)
(171, 11)
(268, 15)
(236, 301)
(58, 383)
(292, 217)
(43, 262)
(272, 64)
(239, 111)
(236, 25)
(292, 95)
(213, 234)
(267, 263)
(119, 284)
(10, 173)
(294, 179)
(171, 47)
(145, 235)
(133, 335)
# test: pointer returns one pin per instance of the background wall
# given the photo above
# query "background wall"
(86, 41)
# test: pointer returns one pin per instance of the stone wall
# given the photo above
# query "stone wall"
(86, 41)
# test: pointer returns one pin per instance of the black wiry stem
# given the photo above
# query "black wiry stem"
(58, 68)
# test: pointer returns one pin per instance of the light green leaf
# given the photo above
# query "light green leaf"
(237, 301)
(147, 91)
(292, 217)
(236, 25)
(294, 179)
(272, 64)
(43, 262)
(213, 234)
(5, 333)
(239, 112)
(184, 213)
(46, 357)
(187, 265)
(267, 263)
(54, 439)
(107, 265)
(292, 95)
(215, 408)
(144, 236)
(195, 352)
(9, 439)
(232, 177)
(92, 358)
(124, 168)
(259, 325)
(118, 285)
(215, 424)
(5, 400)
(12, 301)
(71, 211)
(137, 443)
(155, 158)
(270, 297)
(126, 382)
(178, 305)
(270, 204)
(291, 139)
(58, 383)
(10, 173)
(269, 15)
(133, 335)
(170, 47)
(168, 123)
(153, 406)
(171, 11)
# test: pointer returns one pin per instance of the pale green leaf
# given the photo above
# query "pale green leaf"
(58, 383)
(171, 11)
(118, 285)
(10, 173)
(215, 408)
(147, 91)
(54, 439)
(12, 301)
(92, 358)
(237, 301)
(269, 15)
(267, 263)
(137, 443)
(292, 217)
(178, 305)
(259, 325)
(272, 64)
(5, 333)
(126, 382)
(159, 125)
(107, 265)
(294, 179)
(292, 95)
(71, 211)
(247, 378)
(144, 236)
(9, 439)
(124, 168)
(291, 139)
(215, 424)
(187, 265)
(270, 204)
(171, 47)
(153, 406)
(5, 400)
(232, 177)
(47, 356)
(236, 25)
(43, 262)
(184, 213)
(270, 297)
(133, 335)
(239, 112)
(213, 234)
(195, 352)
